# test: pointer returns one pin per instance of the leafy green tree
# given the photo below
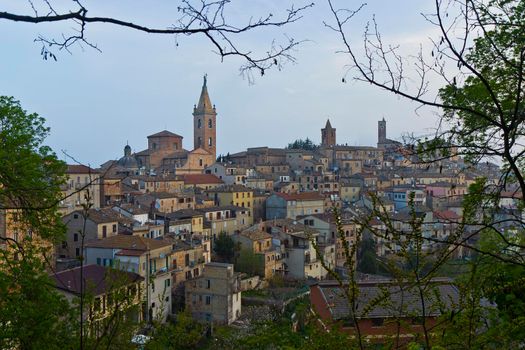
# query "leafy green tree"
(33, 314)
(224, 247)
(249, 262)
(30, 173)
(183, 333)
(301, 144)
(367, 256)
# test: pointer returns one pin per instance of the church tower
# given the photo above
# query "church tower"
(328, 135)
(381, 131)
(204, 126)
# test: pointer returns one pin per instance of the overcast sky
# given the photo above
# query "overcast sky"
(141, 83)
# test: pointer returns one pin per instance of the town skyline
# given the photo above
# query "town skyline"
(155, 88)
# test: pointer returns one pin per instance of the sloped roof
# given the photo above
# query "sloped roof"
(165, 133)
(136, 243)
(80, 169)
(385, 298)
(204, 106)
(98, 279)
(199, 179)
(301, 196)
(256, 235)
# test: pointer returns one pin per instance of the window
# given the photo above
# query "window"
(199, 123)
(64, 244)
(104, 231)
(210, 142)
(99, 261)
(377, 322)
(75, 216)
(77, 251)
(167, 283)
(114, 228)
(75, 237)
(208, 300)
(208, 284)
(210, 123)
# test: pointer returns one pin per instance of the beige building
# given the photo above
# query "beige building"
(113, 292)
(268, 259)
(81, 180)
(150, 258)
(283, 205)
(215, 296)
(99, 224)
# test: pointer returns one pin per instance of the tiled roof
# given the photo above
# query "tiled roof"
(385, 298)
(302, 196)
(98, 279)
(256, 235)
(128, 242)
(447, 215)
(80, 169)
(198, 179)
(101, 215)
(231, 188)
(165, 133)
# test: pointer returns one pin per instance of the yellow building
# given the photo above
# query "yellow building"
(236, 195)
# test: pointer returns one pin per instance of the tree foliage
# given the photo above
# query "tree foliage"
(30, 173)
(224, 247)
(301, 144)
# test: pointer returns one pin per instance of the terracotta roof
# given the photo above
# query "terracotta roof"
(302, 196)
(128, 242)
(100, 216)
(98, 279)
(231, 188)
(165, 133)
(448, 215)
(198, 179)
(80, 169)
(256, 235)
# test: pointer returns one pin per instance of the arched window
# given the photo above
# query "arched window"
(200, 162)
(210, 123)
(210, 142)
(199, 123)
(199, 141)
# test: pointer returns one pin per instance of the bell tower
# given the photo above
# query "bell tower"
(381, 131)
(204, 122)
(328, 135)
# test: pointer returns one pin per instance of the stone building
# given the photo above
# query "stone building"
(215, 296)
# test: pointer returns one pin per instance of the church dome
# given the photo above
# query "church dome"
(128, 161)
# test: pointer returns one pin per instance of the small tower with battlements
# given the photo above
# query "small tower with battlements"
(328, 135)
(381, 131)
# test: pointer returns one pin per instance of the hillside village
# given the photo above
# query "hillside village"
(159, 214)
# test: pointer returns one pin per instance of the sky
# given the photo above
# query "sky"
(97, 102)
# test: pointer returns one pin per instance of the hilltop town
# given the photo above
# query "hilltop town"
(219, 235)
(207, 233)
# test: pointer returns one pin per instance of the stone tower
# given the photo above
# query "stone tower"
(328, 135)
(381, 131)
(204, 123)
